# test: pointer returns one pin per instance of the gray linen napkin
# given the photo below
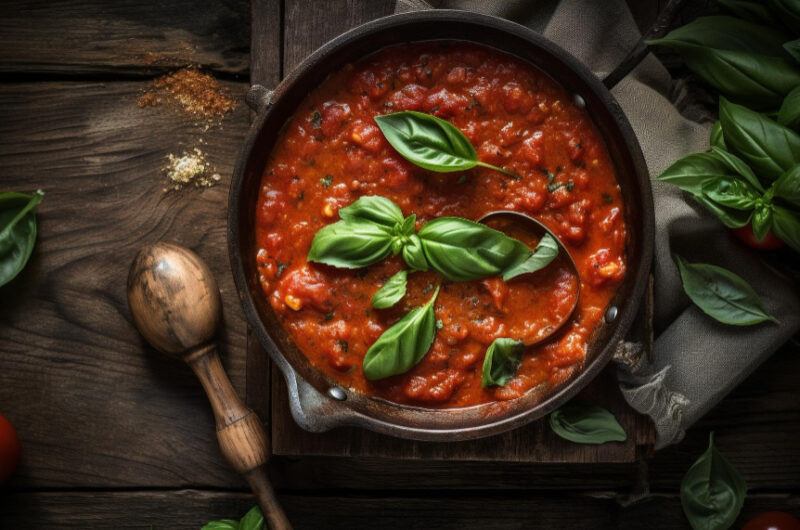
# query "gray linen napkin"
(696, 360)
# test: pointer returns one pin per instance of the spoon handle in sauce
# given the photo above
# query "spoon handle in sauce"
(241, 436)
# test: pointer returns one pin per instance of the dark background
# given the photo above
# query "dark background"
(114, 435)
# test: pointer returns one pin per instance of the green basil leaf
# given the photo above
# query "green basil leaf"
(545, 252)
(786, 225)
(737, 166)
(351, 244)
(222, 524)
(762, 221)
(751, 10)
(730, 217)
(712, 491)
(721, 294)
(732, 193)
(414, 255)
(793, 48)
(728, 33)
(408, 225)
(691, 172)
(403, 345)
(788, 11)
(391, 292)
(717, 138)
(430, 142)
(789, 114)
(463, 250)
(586, 424)
(17, 232)
(767, 147)
(375, 209)
(501, 362)
(252, 520)
(787, 187)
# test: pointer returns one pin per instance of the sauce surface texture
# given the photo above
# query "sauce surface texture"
(332, 152)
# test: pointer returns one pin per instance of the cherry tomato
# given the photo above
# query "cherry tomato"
(9, 449)
(773, 521)
(746, 236)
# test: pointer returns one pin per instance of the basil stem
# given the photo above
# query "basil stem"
(431, 143)
(391, 292)
(586, 424)
(403, 345)
(712, 491)
(501, 362)
(721, 294)
(17, 232)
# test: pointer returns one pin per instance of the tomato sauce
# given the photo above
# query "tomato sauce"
(331, 152)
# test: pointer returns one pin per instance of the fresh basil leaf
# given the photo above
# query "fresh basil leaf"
(721, 294)
(762, 221)
(789, 114)
(730, 217)
(414, 254)
(17, 232)
(732, 193)
(222, 524)
(403, 345)
(752, 10)
(737, 166)
(793, 48)
(391, 292)
(373, 208)
(463, 250)
(408, 225)
(545, 252)
(786, 225)
(586, 424)
(501, 362)
(430, 142)
(712, 491)
(252, 520)
(717, 138)
(351, 244)
(767, 147)
(788, 11)
(742, 60)
(787, 187)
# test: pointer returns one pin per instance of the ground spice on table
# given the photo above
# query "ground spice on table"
(199, 93)
(191, 168)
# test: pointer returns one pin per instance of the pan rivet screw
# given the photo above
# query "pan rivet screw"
(579, 101)
(337, 393)
(611, 314)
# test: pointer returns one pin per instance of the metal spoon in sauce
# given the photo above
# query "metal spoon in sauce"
(509, 221)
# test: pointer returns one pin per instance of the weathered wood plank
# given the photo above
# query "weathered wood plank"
(93, 405)
(78, 37)
(189, 509)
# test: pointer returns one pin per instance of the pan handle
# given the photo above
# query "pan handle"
(640, 51)
(258, 98)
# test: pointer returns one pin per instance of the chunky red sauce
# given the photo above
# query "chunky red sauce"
(332, 152)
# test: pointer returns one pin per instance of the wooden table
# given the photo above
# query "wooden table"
(114, 435)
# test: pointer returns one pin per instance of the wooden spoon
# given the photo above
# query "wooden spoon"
(175, 305)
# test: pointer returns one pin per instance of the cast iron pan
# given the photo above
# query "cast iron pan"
(317, 402)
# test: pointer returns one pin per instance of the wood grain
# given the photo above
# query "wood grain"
(127, 37)
(93, 405)
(189, 509)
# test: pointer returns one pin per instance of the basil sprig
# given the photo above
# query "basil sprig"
(501, 362)
(403, 345)
(712, 491)
(459, 249)
(252, 520)
(721, 294)
(431, 143)
(17, 232)
(586, 424)
(745, 61)
(391, 292)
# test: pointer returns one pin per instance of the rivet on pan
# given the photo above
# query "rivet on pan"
(579, 101)
(611, 314)
(337, 393)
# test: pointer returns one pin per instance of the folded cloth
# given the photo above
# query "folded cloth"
(696, 360)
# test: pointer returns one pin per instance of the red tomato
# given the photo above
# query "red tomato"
(9, 449)
(773, 521)
(745, 235)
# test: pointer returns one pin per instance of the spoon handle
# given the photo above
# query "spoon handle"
(241, 436)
